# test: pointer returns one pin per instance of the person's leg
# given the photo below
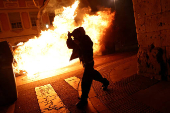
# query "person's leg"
(86, 84)
(85, 87)
(98, 77)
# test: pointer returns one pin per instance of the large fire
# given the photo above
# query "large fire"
(49, 51)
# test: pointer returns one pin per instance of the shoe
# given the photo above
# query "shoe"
(105, 84)
(81, 104)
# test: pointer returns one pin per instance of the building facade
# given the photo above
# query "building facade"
(152, 19)
(18, 20)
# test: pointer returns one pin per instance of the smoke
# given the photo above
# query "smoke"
(57, 4)
(80, 14)
(92, 7)
(95, 5)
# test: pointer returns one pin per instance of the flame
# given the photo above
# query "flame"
(49, 51)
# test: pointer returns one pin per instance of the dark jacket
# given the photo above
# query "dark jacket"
(83, 51)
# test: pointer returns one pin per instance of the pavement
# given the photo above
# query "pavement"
(127, 92)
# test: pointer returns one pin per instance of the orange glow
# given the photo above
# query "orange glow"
(49, 51)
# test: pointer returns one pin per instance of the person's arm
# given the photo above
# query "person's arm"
(87, 49)
(70, 43)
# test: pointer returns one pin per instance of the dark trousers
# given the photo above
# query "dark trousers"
(89, 75)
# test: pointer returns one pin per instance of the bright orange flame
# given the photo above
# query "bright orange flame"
(49, 51)
(96, 26)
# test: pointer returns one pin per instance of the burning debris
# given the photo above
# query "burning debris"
(49, 50)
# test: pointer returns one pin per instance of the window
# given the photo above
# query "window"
(33, 18)
(15, 20)
(51, 18)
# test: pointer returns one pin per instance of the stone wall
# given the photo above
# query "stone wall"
(152, 20)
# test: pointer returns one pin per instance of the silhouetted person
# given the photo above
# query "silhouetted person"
(83, 49)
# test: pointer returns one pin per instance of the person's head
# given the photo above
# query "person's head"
(78, 33)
